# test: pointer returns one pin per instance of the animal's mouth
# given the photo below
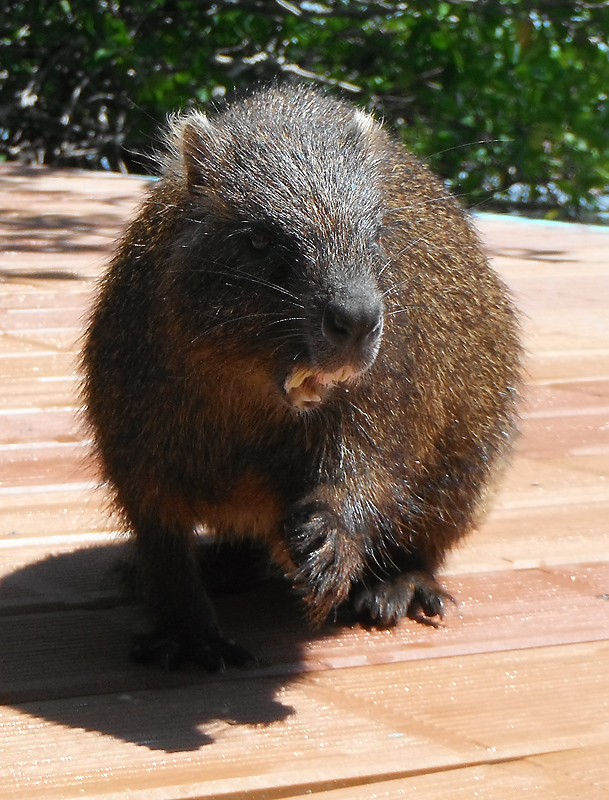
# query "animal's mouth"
(306, 388)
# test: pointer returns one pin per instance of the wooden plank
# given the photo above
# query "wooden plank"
(527, 538)
(566, 367)
(45, 295)
(48, 395)
(551, 437)
(523, 248)
(586, 766)
(536, 482)
(554, 332)
(30, 366)
(38, 464)
(524, 702)
(39, 343)
(553, 399)
(28, 428)
(51, 510)
(64, 228)
(511, 779)
(25, 319)
(263, 736)
(185, 744)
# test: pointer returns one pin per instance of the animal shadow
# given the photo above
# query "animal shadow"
(67, 624)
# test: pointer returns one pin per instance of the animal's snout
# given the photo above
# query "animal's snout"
(353, 326)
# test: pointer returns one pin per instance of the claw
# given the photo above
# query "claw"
(212, 653)
(416, 595)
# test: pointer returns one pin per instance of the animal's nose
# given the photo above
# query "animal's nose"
(353, 324)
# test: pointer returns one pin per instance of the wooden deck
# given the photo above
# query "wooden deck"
(509, 699)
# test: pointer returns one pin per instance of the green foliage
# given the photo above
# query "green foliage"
(507, 99)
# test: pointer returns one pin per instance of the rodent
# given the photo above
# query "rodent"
(299, 339)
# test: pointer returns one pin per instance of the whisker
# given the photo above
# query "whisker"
(234, 272)
(232, 320)
(404, 250)
(407, 308)
(470, 144)
(287, 319)
(421, 203)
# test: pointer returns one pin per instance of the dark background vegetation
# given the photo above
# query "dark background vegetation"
(506, 99)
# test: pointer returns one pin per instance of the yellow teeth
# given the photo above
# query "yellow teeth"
(327, 378)
(306, 388)
(296, 379)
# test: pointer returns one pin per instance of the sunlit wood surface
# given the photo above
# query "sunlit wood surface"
(509, 699)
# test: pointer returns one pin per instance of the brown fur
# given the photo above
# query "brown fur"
(284, 235)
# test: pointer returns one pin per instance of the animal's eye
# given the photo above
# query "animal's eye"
(260, 240)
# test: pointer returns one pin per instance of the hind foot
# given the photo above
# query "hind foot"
(413, 594)
(212, 653)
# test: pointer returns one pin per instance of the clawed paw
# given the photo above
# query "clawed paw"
(416, 595)
(325, 555)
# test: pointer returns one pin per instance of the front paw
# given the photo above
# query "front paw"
(325, 555)
(414, 594)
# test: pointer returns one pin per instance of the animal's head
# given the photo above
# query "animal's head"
(281, 244)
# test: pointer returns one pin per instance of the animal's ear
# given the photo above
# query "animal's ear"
(364, 123)
(365, 126)
(197, 137)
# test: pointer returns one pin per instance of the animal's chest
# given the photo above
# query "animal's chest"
(251, 508)
(250, 486)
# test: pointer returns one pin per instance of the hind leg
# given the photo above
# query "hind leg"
(401, 580)
(184, 624)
